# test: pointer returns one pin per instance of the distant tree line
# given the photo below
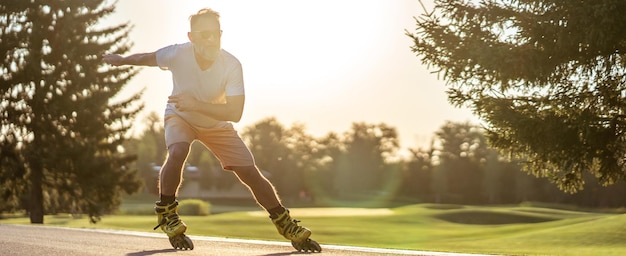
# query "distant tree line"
(362, 167)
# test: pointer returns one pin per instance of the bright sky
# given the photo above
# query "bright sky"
(321, 63)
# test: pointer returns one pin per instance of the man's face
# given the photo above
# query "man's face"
(205, 35)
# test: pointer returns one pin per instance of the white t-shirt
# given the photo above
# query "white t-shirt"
(223, 78)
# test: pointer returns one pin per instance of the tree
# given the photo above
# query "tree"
(61, 133)
(462, 152)
(262, 136)
(149, 146)
(417, 175)
(301, 163)
(266, 141)
(155, 136)
(288, 154)
(368, 146)
(547, 77)
(12, 186)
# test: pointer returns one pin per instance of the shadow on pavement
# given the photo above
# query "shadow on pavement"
(151, 252)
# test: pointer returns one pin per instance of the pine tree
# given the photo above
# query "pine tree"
(547, 77)
(62, 134)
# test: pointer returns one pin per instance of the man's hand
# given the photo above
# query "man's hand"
(113, 59)
(185, 102)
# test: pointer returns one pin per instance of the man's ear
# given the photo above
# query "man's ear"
(189, 35)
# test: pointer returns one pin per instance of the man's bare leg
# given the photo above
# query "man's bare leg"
(262, 190)
(167, 207)
(265, 195)
(172, 170)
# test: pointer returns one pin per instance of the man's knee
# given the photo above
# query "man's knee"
(246, 172)
(178, 152)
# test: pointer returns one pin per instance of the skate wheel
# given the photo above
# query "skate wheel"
(307, 246)
(181, 242)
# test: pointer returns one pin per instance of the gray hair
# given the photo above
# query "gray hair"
(204, 12)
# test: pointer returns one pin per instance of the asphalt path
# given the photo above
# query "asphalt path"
(47, 240)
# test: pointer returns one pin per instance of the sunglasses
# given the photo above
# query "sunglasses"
(207, 34)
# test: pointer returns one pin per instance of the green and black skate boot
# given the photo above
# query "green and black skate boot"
(298, 235)
(172, 225)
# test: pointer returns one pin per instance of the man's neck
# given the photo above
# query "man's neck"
(203, 63)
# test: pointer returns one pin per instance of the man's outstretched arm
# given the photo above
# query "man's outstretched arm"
(139, 59)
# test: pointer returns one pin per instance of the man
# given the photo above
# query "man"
(208, 94)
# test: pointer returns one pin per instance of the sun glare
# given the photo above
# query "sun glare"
(323, 63)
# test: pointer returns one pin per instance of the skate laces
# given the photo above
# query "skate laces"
(168, 214)
(293, 228)
(170, 221)
(289, 225)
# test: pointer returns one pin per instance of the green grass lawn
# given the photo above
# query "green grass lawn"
(514, 230)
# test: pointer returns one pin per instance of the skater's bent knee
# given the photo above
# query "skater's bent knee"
(243, 169)
(245, 172)
(178, 151)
